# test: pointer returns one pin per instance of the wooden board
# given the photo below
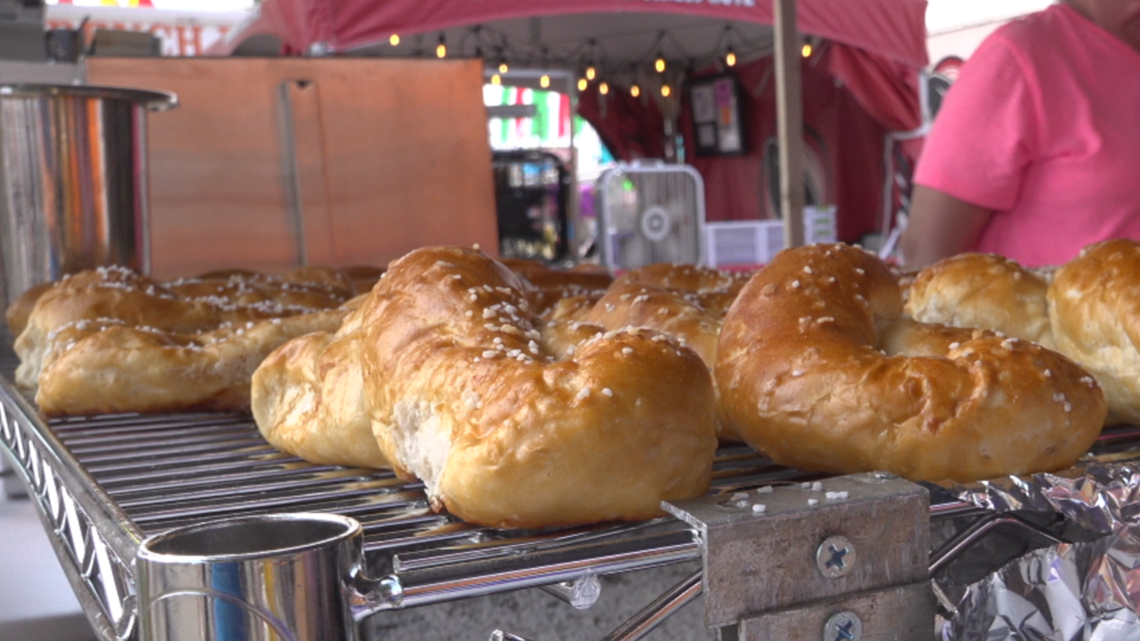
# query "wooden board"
(270, 163)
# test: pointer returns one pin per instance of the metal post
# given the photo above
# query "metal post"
(789, 121)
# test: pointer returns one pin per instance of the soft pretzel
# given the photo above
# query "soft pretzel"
(983, 290)
(550, 286)
(817, 370)
(112, 340)
(1094, 306)
(462, 393)
(20, 309)
(688, 278)
(308, 399)
(308, 395)
(104, 366)
(695, 319)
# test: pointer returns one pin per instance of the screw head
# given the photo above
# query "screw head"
(844, 626)
(835, 557)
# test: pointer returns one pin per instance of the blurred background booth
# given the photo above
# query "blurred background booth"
(631, 69)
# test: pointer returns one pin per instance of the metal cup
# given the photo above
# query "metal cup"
(72, 181)
(259, 578)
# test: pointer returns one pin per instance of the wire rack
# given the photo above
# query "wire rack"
(103, 484)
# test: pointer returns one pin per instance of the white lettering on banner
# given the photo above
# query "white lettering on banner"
(177, 39)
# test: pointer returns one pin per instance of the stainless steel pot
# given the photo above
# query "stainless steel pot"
(73, 189)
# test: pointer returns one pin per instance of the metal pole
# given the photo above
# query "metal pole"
(645, 621)
(789, 121)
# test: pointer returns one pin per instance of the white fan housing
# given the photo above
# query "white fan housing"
(650, 212)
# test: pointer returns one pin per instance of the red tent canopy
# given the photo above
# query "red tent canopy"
(893, 29)
(874, 49)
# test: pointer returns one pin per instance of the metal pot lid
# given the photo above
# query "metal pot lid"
(151, 100)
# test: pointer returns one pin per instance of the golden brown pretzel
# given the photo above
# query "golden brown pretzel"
(462, 393)
(20, 309)
(983, 290)
(308, 399)
(1094, 306)
(693, 318)
(113, 327)
(549, 286)
(104, 366)
(689, 278)
(816, 369)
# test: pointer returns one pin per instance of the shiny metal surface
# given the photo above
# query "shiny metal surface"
(264, 578)
(1082, 587)
(73, 180)
(886, 519)
(653, 614)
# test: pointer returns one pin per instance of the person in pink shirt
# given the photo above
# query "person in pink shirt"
(1036, 150)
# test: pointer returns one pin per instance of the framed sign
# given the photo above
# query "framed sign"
(716, 107)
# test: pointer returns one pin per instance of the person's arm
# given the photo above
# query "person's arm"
(939, 226)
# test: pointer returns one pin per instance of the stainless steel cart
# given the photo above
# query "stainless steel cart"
(840, 555)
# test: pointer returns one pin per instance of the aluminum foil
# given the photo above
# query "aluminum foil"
(1083, 590)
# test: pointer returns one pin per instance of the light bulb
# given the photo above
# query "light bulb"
(544, 81)
(582, 84)
(635, 91)
(503, 67)
(665, 91)
(730, 58)
(441, 50)
(806, 51)
(659, 65)
(394, 39)
(604, 88)
(591, 72)
(496, 79)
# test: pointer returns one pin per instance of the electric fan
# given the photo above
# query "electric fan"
(650, 213)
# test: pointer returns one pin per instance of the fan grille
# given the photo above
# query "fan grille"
(651, 214)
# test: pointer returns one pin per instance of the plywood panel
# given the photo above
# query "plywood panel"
(413, 162)
(398, 158)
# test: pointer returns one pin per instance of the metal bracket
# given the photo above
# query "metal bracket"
(817, 549)
(895, 614)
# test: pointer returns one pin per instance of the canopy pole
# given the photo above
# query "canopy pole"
(789, 121)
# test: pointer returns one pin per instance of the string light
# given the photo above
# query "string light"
(394, 39)
(604, 88)
(544, 81)
(582, 84)
(503, 68)
(496, 79)
(441, 48)
(635, 91)
(659, 64)
(729, 55)
(592, 67)
(806, 51)
(665, 91)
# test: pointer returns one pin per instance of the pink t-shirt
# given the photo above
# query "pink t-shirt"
(1043, 127)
